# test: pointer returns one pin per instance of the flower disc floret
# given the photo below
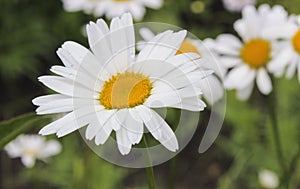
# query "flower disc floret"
(125, 90)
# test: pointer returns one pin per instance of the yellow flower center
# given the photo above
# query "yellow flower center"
(256, 53)
(125, 90)
(187, 47)
(296, 41)
(31, 152)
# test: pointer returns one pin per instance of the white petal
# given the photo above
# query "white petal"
(212, 88)
(119, 119)
(229, 61)
(162, 46)
(239, 77)
(230, 40)
(122, 42)
(28, 161)
(134, 129)
(124, 143)
(263, 81)
(66, 72)
(103, 133)
(244, 94)
(194, 104)
(99, 41)
(52, 147)
(48, 99)
(166, 136)
(155, 4)
(292, 67)
(163, 99)
(96, 125)
(70, 122)
(65, 86)
(146, 34)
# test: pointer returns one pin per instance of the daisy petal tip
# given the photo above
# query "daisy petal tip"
(124, 150)
(43, 132)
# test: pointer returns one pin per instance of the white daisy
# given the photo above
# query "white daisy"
(211, 86)
(268, 179)
(248, 59)
(110, 88)
(112, 8)
(289, 57)
(237, 5)
(32, 147)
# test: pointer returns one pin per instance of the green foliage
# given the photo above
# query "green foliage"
(13, 127)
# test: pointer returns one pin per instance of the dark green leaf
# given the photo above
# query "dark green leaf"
(10, 129)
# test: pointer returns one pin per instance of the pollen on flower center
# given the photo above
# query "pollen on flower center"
(187, 47)
(296, 41)
(256, 53)
(125, 90)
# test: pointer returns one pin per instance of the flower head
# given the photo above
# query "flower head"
(237, 5)
(268, 179)
(248, 60)
(289, 58)
(110, 88)
(32, 147)
(112, 8)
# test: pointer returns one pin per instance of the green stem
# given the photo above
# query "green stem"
(149, 170)
(292, 168)
(278, 145)
(173, 170)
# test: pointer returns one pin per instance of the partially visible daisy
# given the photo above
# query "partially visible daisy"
(289, 57)
(32, 147)
(111, 89)
(112, 8)
(211, 86)
(237, 5)
(268, 179)
(248, 60)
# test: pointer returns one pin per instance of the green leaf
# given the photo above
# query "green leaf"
(10, 129)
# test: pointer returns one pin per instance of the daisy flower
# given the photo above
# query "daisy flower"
(112, 8)
(268, 179)
(32, 147)
(211, 86)
(248, 58)
(289, 57)
(110, 88)
(237, 5)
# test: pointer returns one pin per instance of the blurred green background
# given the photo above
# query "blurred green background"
(30, 33)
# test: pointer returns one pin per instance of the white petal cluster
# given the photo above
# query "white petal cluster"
(287, 61)
(237, 5)
(264, 23)
(174, 78)
(212, 86)
(32, 147)
(112, 8)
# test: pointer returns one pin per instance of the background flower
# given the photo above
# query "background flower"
(248, 59)
(32, 147)
(112, 8)
(268, 179)
(237, 5)
(288, 60)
